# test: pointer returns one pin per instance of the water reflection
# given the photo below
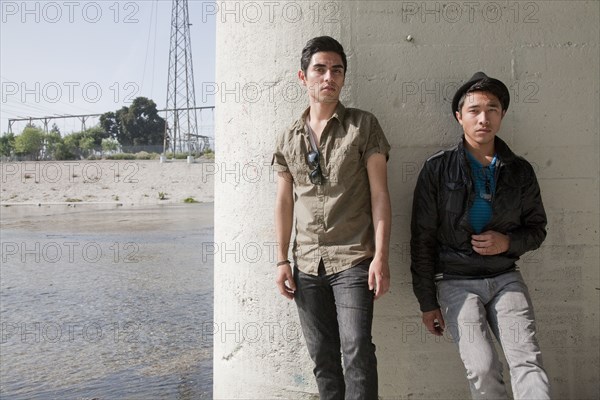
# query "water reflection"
(106, 303)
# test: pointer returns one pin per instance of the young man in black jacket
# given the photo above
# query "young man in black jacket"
(477, 208)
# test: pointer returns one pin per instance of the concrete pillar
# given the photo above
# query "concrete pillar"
(258, 346)
(546, 52)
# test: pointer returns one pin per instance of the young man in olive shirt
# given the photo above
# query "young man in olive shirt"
(332, 175)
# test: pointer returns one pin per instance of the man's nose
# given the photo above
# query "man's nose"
(484, 119)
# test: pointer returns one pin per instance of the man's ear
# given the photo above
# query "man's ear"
(458, 117)
(302, 77)
(503, 114)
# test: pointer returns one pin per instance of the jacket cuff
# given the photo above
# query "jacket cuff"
(429, 306)
(514, 247)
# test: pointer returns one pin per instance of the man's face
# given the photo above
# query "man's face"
(481, 117)
(324, 77)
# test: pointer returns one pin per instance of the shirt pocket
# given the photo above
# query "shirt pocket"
(455, 196)
(298, 167)
(344, 165)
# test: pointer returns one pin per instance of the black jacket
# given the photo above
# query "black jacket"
(440, 228)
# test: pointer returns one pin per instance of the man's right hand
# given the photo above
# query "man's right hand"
(434, 322)
(285, 281)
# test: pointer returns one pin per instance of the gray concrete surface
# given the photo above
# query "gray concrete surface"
(545, 51)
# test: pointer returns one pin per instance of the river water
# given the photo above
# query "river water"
(106, 303)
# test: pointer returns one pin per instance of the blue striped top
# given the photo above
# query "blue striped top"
(480, 212)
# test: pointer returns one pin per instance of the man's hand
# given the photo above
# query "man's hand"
(284, 274)
(434, 322)
(490, 243)
(379, 277)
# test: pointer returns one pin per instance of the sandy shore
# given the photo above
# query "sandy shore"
(127, 182)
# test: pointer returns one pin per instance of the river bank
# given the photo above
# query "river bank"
(119, 182)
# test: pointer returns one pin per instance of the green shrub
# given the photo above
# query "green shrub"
(121, 156)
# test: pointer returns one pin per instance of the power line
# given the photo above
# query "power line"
(147, 44)
(83, 117)
(41, 106)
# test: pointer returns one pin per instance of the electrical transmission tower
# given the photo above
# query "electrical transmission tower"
(181, 131)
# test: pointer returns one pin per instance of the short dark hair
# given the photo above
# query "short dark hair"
(486, 85)
(321, 43)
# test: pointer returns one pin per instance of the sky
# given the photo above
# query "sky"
(90, 57)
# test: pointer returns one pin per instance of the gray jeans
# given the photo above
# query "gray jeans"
(336, 312)
(503, 303)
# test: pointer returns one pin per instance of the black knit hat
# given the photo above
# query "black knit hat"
(480, 78)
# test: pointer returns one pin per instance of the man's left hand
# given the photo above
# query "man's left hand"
(490, 243)
(379, 277)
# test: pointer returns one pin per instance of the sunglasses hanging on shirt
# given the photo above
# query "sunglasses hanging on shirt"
(487, 196)
(313, 158)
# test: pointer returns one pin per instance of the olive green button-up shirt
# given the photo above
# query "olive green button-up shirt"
(333, 221)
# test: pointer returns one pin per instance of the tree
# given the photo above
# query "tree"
(30, 142)
(53, 142)
(86, 144)
(97, 133)
(136, 125)
(7, 144)
(55, 129)
(109, 123)
(109, 145)
(70, 147)
(63, 152)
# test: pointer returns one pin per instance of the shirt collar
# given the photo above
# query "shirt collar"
(338, 114)
(503, 153)
(477, 163)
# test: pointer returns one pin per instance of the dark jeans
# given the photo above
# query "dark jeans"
(336, 311)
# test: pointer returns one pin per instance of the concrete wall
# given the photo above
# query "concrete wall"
(545, 51)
